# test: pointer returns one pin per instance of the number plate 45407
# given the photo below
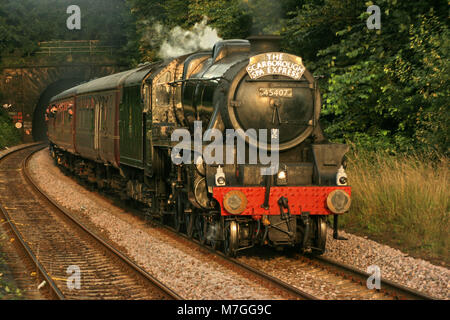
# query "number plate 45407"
(276, 92)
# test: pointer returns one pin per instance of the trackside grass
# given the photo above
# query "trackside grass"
(401, 200)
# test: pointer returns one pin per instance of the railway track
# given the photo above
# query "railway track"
(278, 287)
(388, 288)
(285, 289)
(348, 281)
(329, 278)
(61, 248)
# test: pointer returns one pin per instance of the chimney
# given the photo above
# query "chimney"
(264, 43)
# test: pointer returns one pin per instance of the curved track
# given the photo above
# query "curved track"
(286, 289)
(58, 245)
(345, 281)
(348, 281)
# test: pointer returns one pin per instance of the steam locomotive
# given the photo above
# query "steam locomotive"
(117, 132)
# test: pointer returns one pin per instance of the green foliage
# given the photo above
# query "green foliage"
(24, 23)
(233, 19)
(9, 135)
(155, 19)
(149, 18)
(383, 89)
(229, 17)
(313, 24)
(242, 18)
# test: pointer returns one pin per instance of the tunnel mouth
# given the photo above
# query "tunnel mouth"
(39, 125)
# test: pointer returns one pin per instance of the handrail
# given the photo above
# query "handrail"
(76, 46)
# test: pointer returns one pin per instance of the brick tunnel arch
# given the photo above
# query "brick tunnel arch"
(39, 126)
(28, 89)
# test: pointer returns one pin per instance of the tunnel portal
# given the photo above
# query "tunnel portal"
(39, 125)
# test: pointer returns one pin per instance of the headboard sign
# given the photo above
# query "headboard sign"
(275, 63)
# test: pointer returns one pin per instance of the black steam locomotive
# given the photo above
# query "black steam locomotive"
(123, 132)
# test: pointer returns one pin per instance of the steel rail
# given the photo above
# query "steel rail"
(140, 272)
(294, 291)
(395, 290)
(52, 287)
(279, 283)
(391, 288)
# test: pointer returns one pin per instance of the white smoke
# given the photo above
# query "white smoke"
(180, 41)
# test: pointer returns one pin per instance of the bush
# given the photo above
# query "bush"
(9, 135)
(387, 86)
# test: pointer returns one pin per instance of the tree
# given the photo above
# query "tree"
(382, 88)
(25, 23)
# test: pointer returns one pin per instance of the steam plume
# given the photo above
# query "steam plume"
(180, 41)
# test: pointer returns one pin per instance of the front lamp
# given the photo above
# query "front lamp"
(282, 178)
(282, 175)
(235, 202)
(338, 201)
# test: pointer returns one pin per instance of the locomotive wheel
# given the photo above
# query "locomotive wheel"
(201, 226)
(213, 228)
(218, 226)
(190, 224)
(231, 243)
(320, 239)
(179, 214)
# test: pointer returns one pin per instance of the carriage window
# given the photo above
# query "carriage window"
(59, 114)
(70, 112)
(64, 113)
